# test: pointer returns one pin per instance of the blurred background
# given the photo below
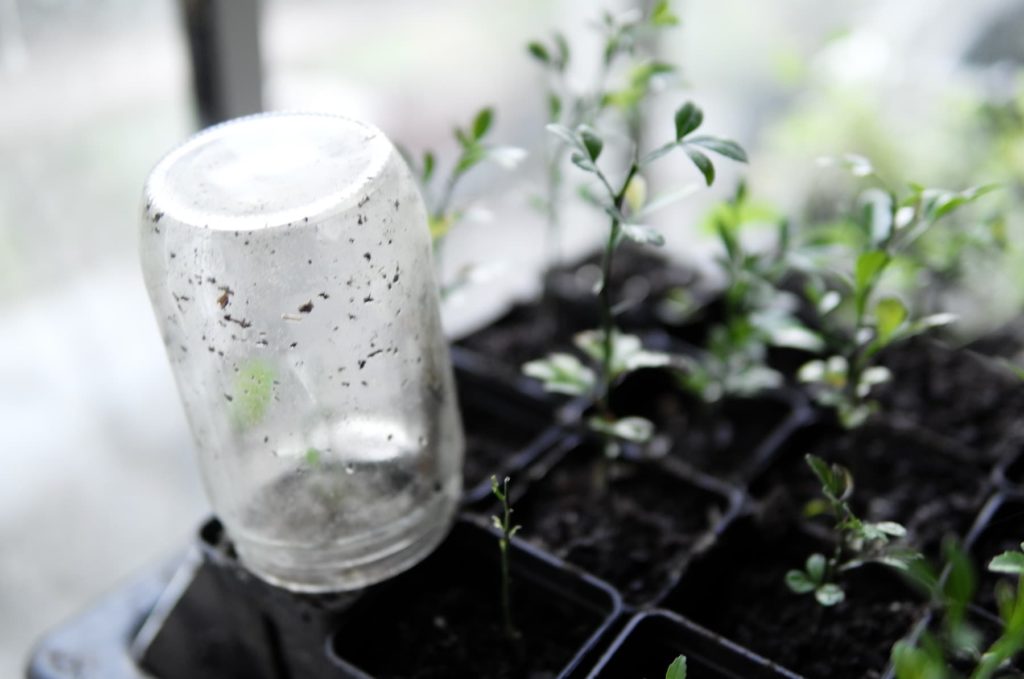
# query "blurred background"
(97, 476)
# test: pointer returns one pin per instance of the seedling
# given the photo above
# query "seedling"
(612, 362)
(930, 657)
(625, 47)
(504, 524)
(439, 193)
(758, 314)
(890, 225)
(857, 542)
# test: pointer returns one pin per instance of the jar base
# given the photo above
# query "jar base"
(349, 565)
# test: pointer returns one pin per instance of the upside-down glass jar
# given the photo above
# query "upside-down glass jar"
(288, 260)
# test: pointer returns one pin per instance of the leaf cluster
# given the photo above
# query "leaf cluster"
(758, 313)
(889, 225)
(857, 542)
(932, 656)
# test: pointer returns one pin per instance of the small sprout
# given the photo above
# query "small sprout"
(677, 670)
(857, 542)
(313, 457)
(504, 524)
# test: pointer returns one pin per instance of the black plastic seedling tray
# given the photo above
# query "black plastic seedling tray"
(560, 612)
(724, 482)
(652, 640)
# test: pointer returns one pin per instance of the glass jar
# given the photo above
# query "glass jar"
(288, 260)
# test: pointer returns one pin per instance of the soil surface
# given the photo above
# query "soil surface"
(443, 619)
(657, 641)
(896, 478)
(739, 591)
(635, 529)
(724, 439)
(954, 393)
(497, 427)
(531, 331)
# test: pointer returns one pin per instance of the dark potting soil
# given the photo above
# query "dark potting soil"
(444, 621)
(896, 477)
(495, 433)
(721, 439)
(1006, 341)
(634, 531)
(1003, 533)
(739, 591)
(531, 331)
(954, 393)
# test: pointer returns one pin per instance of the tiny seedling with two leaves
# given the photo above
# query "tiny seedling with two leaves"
(625, 212)
(508, 530)
(857, 542)
(889, 226)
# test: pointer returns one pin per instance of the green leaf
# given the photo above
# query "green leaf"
(821, 470)
(634, 429)
(471, 156)
(829, 594)
(592, 142)
(561, 374)
(890, 313)
(662, 15)
(703, 164)
(312, 457)
(946, 202)
(482, 123)
(645, 235)
(688, 118)
(869, 266)
(1008, 562)
(677, 670)
(539, 52)
(428, 166)
(815, 566)
(918, 663)
(799, 583)
(878, 207)
(554, 106)
(582, 162)
(723, 147)
(892, 528)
